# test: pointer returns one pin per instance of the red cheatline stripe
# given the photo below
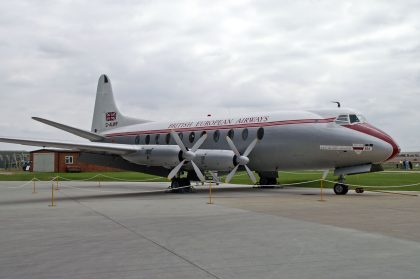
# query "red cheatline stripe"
(223, 127)
(373, 131)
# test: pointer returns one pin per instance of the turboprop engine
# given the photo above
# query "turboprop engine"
(177, 156)
(156, 155)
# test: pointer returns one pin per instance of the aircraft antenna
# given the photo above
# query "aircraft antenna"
(338, 103)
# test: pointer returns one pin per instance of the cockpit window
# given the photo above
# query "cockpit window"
(354, 118)
(346, 119)
(342, 119)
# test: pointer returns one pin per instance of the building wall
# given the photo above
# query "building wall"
(61, 166)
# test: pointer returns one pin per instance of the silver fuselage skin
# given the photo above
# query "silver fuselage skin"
(292, 140)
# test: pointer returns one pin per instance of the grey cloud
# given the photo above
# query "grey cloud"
(181, 59)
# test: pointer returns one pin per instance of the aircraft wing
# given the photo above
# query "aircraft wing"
(78, 132)
(97, 147)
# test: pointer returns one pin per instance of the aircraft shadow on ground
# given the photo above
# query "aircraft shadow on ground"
(63, 195)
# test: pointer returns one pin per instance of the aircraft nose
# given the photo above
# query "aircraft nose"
(389, 147)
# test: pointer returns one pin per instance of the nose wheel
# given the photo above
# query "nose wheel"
(341, 188)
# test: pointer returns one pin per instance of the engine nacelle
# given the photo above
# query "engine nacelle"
(156, 155)
(170, 155)
(214, 160)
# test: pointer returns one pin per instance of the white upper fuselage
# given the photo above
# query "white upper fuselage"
(289, 139)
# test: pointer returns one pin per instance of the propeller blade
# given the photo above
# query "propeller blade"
(250, 147)
(199, 143)
(179, 141)
(198, 172)
(232, 146)
(250, 174)
(231, 174)
(175, 170)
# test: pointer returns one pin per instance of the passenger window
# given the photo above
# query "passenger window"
(231, 133)
(181, 135)
(157, 139)
(137, 140)
(168, 138)
(192, 137)
(245, 134)
(147, 139)
(260, 133)
(216, 135)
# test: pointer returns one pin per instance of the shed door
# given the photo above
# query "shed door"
(43, 162)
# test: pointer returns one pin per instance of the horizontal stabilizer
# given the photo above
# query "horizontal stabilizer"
(101, 147)
(75, 131)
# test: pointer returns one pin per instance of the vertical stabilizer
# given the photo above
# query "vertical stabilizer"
(106, 115)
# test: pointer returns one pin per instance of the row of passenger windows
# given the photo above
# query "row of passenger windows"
(193, 135)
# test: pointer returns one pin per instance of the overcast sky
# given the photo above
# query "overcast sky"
(181, 59)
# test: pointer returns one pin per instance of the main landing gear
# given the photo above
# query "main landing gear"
(268, 179)
(340, 188)
(181, 185)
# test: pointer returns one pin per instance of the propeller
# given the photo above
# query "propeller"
(241, 160)
(187, 155)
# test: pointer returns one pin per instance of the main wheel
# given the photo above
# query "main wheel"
(175, 183)
(263, 181)
(340, 189)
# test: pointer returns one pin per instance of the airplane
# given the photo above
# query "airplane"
(337, 138)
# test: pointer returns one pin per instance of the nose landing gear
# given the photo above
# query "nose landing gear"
(340, 188)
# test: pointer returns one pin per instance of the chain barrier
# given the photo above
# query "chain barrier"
(376, 186)
(157, 178)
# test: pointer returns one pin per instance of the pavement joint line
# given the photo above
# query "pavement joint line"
(142, 236)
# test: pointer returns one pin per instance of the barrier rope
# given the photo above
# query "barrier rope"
(376, 186)
(157, 178)
(296, 183)
(130, 180)
(22, 185)
(300, 173)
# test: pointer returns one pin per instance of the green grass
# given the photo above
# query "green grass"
(369, 179)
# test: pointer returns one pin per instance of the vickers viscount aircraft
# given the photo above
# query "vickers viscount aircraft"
(339, 139)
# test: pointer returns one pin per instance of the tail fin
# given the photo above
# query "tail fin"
(106, 115)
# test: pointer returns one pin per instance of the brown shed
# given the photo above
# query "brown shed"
(61, 160)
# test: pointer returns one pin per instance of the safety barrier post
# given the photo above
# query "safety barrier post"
(33, 186)
(210, 201)
(324, 175)
(322, 192)
(52, 195)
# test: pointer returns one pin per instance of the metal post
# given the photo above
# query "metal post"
(52, 195)
(56, 180)
(324, 175)
(33, 186)
(210, 202)
(322, 192)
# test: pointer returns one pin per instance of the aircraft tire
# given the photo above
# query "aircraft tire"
(359, 190)
(263, 181)
(178, 185)
(340, 189)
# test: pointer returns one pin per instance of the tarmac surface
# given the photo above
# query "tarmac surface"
(137, 230)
